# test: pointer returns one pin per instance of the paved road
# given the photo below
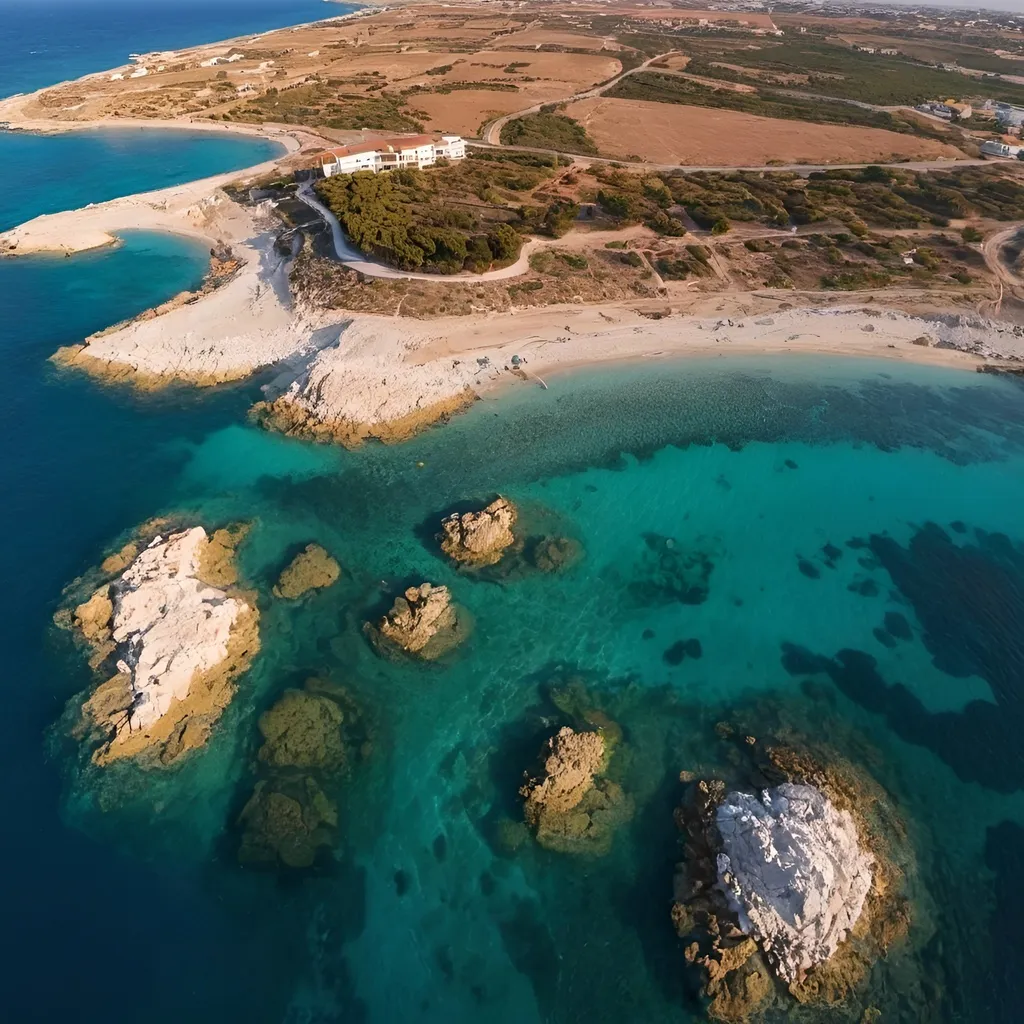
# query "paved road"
(352, 258)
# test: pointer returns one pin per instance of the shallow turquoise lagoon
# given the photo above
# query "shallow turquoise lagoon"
(778, 512)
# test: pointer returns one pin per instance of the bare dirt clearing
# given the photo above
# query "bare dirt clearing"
(701, 136)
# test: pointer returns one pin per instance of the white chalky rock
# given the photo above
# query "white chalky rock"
(793, 870)
(173, 627)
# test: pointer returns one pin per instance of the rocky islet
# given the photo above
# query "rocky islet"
(477, 539)
(423, 623)
(176, 635)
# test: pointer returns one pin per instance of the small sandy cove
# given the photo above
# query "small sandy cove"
(347, 378)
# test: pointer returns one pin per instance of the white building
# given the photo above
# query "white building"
(391, 154)
(999, 149)
(1006, 113)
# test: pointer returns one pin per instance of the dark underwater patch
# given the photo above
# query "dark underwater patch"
(790, 464)
(681, 650)
(981, 743)
(532, 950)
(832, 554)
(809, 569)
(401, 883)
(883, 637)
(440, 848)
(668, 573)
(896, 625)
(1004, 855)
(866, 588)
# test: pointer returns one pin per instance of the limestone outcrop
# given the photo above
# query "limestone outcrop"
(311, 569)
(177, 641)
(424, 622)
(570, 806)
(794, 884)
(477, 539)
(792, 869)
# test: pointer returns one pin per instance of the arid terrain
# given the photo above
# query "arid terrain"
(665, 133)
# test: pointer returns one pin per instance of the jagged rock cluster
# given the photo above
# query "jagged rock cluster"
(792, 869)
(477, 539)
(177, 638)
(570, 806)
(311, 569)
(424, 622)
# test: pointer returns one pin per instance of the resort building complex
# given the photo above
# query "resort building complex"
(391, 154)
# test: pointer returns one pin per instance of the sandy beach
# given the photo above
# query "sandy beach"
(384, 377)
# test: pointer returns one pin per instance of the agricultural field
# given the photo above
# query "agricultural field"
(691, 90)
(833, 68)
(667, 133)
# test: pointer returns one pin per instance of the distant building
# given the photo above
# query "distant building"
(1008, 114)
(392, 154)
(999, 149)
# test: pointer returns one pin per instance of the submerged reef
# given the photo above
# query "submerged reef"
(669, 573)
(311, 737)
(424, 623)
(791, 892)
(968, 596)
(169, 634)
(477, 539)
(311, 569)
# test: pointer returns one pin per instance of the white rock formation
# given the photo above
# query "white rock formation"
(793, 870)
(170, 627)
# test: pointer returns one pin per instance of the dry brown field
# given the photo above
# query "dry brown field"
(663, 133)
(551, 37)
(465, 110)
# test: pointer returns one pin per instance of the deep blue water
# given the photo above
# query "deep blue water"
(49, 41)
(855, 528)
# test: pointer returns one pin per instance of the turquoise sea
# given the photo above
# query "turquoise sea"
(842, 537)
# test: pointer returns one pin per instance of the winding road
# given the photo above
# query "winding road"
(352, 258)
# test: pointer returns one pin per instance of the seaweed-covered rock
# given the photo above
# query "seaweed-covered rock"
(571, 807)
(311, 569)
(303, 730)
(286, 822)
(424, 622)
(477, 539)
(175, 639)
(792, 869)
